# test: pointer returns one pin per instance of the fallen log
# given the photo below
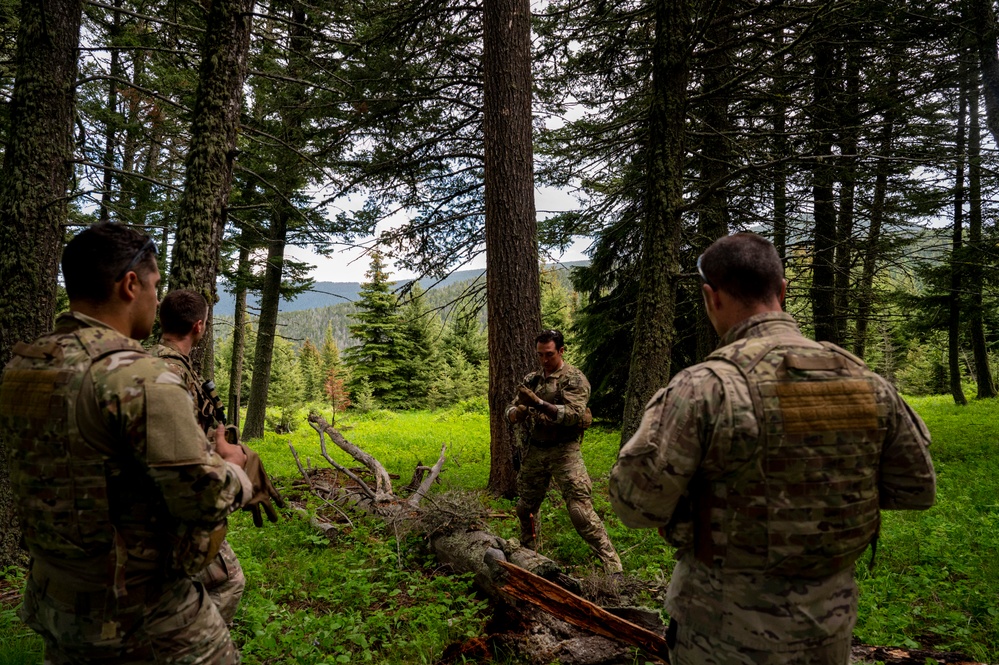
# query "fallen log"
(569, 607)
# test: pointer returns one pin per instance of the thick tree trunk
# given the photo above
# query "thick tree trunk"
(270, 299)
(975, 251)
(202, 215)
(956, 251)
(983, 18)
(824, 208)
(238, 333)
(659, 265)
(33, 203)
(513, 291)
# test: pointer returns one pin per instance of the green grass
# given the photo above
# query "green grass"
(370, 596)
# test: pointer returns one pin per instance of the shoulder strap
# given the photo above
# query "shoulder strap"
(99, 343)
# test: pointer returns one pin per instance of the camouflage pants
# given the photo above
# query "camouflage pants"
(181, 625)
(224, 581)
(690, 647)
(564, 464)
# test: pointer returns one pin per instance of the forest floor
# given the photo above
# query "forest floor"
(368, 593)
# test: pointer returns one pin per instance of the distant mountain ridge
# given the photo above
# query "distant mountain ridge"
(326, 294)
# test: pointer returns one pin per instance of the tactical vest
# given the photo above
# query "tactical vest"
(804, 500)
(59, 479)
(204, 409)
(545, 434)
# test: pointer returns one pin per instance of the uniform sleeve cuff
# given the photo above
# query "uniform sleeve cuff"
(560, 415)
(245, 483)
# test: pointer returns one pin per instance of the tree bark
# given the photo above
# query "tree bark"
(238, 332)
(270, 299)
(983, 17)
(716, 155)
(849, 126)
(956, 252)
(513, 291)
(781, 150)
(208, 179)
(659, 265)
(824, 207)
(33, 195)
(975, 251)
(110, 133)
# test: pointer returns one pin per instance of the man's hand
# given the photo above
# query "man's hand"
(233, 454)
(263, 489)
(518, 414)
(526, 397)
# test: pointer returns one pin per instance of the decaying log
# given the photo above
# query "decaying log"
(862, 655)
(569, 607)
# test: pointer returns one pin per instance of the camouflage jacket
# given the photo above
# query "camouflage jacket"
(566, 388)
(686, 442)
(180, 364)
(149, 472)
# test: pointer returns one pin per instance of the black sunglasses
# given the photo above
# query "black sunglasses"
(149, 246)
(700, 271)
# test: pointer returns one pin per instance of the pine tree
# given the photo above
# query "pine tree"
(330, 353)
(310, 366)
(377, 358)
(421, 334)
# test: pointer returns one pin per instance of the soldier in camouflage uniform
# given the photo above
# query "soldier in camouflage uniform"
(117, 487)
(182, 321)
(767, 466)
(552, 405)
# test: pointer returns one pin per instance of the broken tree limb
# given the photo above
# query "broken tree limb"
(424, 487)
(525, 586)
(383, 483)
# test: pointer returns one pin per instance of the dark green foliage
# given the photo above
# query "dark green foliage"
(379, 354)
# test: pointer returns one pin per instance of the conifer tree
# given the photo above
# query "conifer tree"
(310, 365)
(421, 330)
(377, 357)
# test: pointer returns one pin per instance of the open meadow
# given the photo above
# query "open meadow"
(371, 595)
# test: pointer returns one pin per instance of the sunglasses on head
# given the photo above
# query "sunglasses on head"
(150, 246)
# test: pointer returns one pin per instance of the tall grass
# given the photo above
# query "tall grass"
(371, 595)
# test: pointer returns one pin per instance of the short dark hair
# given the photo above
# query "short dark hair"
(180, 310)
(551, 335)
(93, 260)
(744, 265)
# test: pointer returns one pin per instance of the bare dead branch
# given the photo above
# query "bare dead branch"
(414, 500)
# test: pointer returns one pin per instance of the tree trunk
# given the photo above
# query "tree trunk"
(202, 212)
(956, 252)
(33, 202)
(824, 208)
(983, 17)
(270, 299)
(238, 332)
(975, 251)
(716, 156)
(110, 133)
(659, 265)
(37, 169)
(513, 290)
(850, 126)
(781, 150)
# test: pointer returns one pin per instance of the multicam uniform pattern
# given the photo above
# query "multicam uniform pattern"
(769, 514)
(553, 451)
(223, 577)
(110, 471)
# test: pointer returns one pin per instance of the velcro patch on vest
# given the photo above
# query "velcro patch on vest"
(29, 393)
(822, 406)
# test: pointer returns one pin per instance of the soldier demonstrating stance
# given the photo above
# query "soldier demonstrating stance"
(117, 487)
(182, 320)
(767, 466)
(552, 405)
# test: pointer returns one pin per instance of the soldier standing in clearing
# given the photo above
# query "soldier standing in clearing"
(767, 466)
(111, 473)
(182, 320)
(552, 401)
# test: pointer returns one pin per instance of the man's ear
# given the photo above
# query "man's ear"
(127, 288)
(199, 327)
(783, 291)
(711, 300)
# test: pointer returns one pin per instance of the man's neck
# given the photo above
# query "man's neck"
(547, 374)
(182, 344)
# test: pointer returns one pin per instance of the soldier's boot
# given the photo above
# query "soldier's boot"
(528, 526)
